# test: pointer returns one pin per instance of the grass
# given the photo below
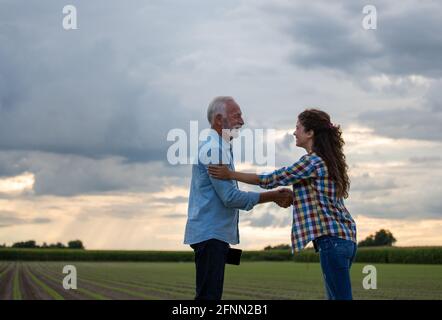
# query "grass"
(85, 293)
(51, 292)
(254, 280)
(249, 281)
(4, 269)
(16, 293)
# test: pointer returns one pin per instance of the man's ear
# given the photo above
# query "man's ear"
(310, 133)
(219, 120)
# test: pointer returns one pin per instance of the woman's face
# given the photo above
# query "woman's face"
(302, 138)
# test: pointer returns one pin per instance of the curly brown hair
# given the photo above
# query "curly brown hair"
(328, 144)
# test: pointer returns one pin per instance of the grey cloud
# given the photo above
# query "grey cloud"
(95, 107)
(405, 123)
(435, 209)
(175, 216)
(328, 42)
(366, 183)
(175, 200)
(41, 220)
(419, 122)
(267, 219)
(9, 219)
(91, 91)
(407, 39)
(69, 175)
(424, 159)
(395, 209)
(407, 192)
(412, 41)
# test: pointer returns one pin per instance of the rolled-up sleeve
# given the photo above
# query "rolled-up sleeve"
(227, 190)
(232, 197)
(285, 176)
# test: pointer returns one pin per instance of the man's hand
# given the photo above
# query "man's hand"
(220, 172)
(283, 197)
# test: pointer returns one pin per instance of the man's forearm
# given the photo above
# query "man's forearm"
(268, 196)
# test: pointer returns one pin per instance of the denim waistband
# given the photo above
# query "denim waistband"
(319, 239)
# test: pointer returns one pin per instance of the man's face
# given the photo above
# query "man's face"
(233, 120)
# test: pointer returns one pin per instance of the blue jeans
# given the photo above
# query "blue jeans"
(336, 256)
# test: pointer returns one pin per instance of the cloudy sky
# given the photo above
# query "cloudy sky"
(84, 114)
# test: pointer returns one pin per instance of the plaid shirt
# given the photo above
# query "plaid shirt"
(316, 209)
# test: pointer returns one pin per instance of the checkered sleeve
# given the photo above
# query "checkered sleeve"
(300, 170)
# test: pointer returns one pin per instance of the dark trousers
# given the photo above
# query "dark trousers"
(210, 262)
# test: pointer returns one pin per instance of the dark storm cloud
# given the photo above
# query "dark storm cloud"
(69, 175)
(89, 91)
(407, 41)
(81, 109)
(87, 111)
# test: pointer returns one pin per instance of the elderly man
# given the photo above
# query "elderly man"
(213, 211)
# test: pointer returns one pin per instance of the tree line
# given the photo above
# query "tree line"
(382, 238)
(32, 244)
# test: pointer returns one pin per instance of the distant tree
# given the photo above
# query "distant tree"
(60, 245)
(368, 242)
(25, 244)
(75, 244)
(57, 245)
(380, 238)
(384, 238)
(278, 247)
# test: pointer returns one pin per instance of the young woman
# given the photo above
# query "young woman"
(320, 184)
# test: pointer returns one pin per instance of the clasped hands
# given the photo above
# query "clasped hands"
(283, 197)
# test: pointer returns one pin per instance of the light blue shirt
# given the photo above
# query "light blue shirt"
(213, 204)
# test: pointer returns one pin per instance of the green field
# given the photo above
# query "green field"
(407, 255)
(175, 280)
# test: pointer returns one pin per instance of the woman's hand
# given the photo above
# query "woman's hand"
(284, 197)
(220, 172)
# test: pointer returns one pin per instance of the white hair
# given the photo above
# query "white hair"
(217, 106)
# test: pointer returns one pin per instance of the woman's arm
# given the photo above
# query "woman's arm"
(249, 178)
(285, 176)
(223, 172)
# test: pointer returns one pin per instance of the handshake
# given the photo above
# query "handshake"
(283, 197)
